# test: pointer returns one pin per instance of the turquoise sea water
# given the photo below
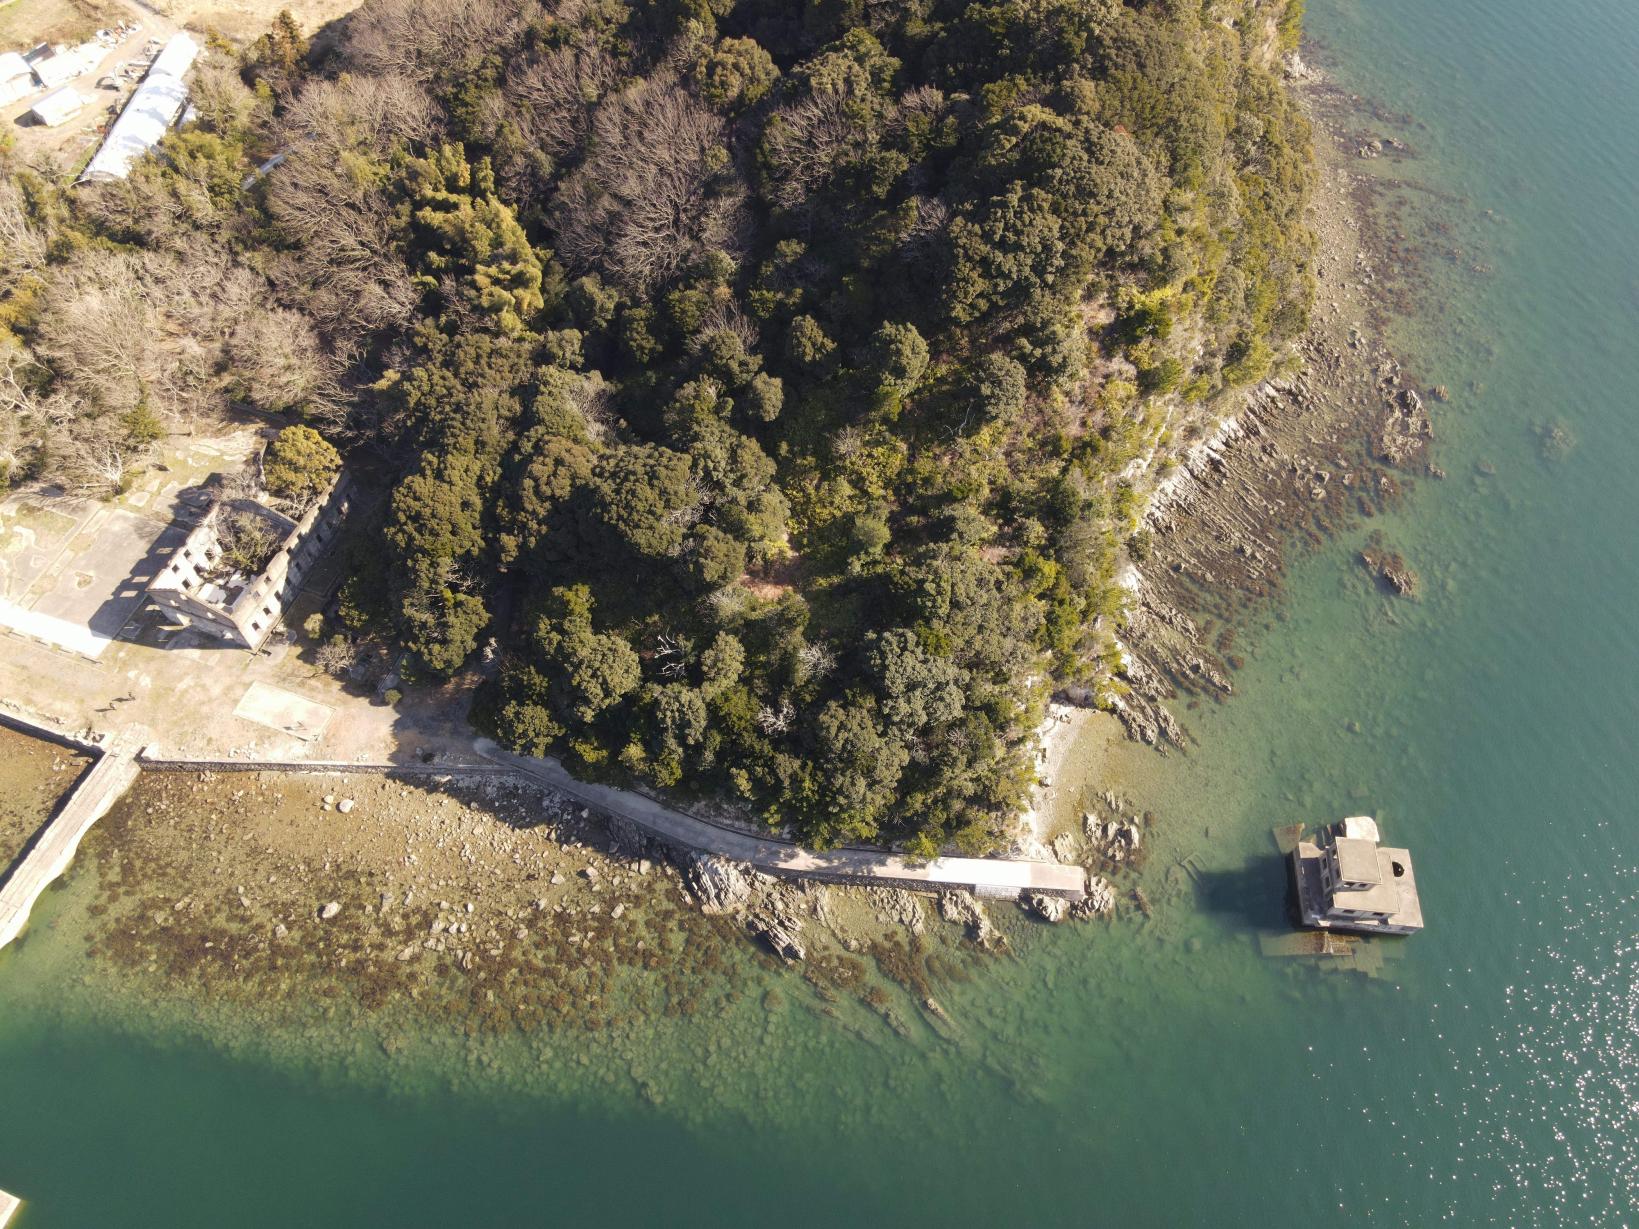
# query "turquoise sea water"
(1155, 1074)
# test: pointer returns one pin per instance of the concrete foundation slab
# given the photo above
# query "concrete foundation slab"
(282, 710)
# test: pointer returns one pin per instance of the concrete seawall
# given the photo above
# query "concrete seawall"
(155, 764)
(996, 877)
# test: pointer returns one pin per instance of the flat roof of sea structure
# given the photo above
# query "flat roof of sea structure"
(1357, 861)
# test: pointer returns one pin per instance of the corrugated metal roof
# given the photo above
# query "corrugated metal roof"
(175, 58)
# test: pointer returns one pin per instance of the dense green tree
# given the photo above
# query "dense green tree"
(915, 688)
(299, 463)
(459, 226)
(540, 496)
(735, 74)
(900, 356)
(643, 497)
(1006, 252)
(860, 767)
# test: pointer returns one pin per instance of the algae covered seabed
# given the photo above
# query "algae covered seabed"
(1154, 1071)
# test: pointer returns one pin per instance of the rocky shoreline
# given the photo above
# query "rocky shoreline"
(492, 904)
(1310, 454)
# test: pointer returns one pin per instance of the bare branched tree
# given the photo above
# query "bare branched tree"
(802, 142)
(329, 201)
(23, 242)
(554, 95)
(279, 364)
(776, 720)
(418, 39)
(656, 188)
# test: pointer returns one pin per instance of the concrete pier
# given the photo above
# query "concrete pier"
(53, 848)
(8, 1208)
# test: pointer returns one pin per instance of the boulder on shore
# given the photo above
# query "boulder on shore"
(1099, 901)
(718, 885)
(1047, 908)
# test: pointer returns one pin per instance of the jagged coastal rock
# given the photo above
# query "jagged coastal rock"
(1099, 901)
(774, 920)
(718, 885)
(964, 910)
(1047, 908)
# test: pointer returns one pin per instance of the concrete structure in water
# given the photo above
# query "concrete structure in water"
(200, 589)
(1346, 880)
(8, 1208)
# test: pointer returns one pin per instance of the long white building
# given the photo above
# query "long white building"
(154, 108)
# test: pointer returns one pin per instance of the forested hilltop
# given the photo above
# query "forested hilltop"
(777, 383)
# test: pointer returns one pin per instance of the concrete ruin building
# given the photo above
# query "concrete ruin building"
(203, 586)
(1348, 880)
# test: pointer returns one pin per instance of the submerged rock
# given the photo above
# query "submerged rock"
(1405, 430)
(1113, 840)
(1391, 571)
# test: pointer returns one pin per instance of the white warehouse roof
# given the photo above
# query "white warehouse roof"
(65, 65)
(153, 108)
(16, 77)
(58, 108)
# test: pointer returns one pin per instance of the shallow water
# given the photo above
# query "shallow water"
(1150, 1073)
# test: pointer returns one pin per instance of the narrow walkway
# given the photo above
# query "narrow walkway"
(984, 876)
(54, 847)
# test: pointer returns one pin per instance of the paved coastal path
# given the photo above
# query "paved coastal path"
(53, 848)
(984, 876)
